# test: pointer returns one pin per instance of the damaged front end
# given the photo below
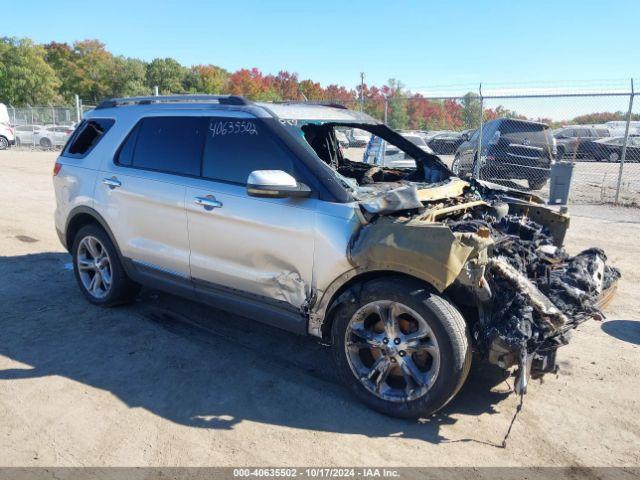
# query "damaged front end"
(498, 254)
(495, 252)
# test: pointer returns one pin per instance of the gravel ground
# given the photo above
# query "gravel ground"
(166, 382)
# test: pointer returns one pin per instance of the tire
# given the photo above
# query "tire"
(4, 143)
(441, 360)
(45, 143)
(536, 183)
(455, 166)
(119, 289)
(560, 154)
(614, 157)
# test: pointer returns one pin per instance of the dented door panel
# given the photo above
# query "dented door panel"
(254, 245)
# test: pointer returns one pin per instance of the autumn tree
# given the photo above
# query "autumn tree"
(311, 90)
(471, 110)
(167, 74)
(397, 117)
(286, 85)
(128, 77)
(25, 76)
(209, 79)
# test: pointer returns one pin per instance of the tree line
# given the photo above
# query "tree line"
(53, 73)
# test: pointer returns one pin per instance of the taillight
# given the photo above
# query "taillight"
(56, 168)
(68, 132)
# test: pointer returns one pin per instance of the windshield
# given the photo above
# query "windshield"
(383, 159)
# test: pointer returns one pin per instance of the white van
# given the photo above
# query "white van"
(7, 133)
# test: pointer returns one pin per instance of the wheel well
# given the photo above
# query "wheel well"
(76, 223)
(363, 277)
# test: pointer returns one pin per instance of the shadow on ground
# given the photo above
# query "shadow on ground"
(194, 365)
(625, 330)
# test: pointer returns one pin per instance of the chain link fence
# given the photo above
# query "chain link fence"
(511, 137)
(519, 138)
(44, 128)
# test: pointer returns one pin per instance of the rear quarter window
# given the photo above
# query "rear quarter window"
(86, 136)
(508, 127)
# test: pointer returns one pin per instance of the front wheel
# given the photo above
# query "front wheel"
(614, 157)
(402, 349)
(4, 143)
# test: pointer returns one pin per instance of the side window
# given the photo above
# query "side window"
(235, 147)
(125, 155)
(165, 144)
(86, 137)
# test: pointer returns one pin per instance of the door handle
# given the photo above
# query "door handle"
(112, 182)
(209, 202)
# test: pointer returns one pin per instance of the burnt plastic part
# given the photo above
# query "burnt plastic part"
(510, 321)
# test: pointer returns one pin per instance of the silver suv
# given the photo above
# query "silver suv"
(256, 208)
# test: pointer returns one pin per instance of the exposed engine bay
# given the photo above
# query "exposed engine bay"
(496, 252)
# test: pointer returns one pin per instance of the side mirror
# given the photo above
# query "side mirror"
(275, 184)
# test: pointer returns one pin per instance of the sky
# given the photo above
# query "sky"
(437, 47)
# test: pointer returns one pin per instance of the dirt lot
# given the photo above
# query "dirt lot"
(167, 382)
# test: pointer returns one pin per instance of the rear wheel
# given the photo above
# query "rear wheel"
(98, 270)
(45, 143)
(4, 143)
(455, 166)
(614, 157)
(402, 349)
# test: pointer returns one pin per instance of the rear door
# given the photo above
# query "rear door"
(259, 247)
(141, 193)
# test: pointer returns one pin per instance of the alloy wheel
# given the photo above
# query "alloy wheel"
(455, 166)
(94, 267)
(392, 351)
(4, 143)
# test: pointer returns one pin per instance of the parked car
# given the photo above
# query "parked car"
(511, 149)
(51, 136)
(7, 133)
(610, 149)
(26, 134)
(358, 138)
(446, 143)
(384, 154)
(342, 138)
(569, 139)
(252, 207)
(618, 127)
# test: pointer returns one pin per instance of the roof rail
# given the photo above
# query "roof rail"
(319, 103)
(220, 99)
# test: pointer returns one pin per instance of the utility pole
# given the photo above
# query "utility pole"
(78, 112)
(623, 156)
(361, 92)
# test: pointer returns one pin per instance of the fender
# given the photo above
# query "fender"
(84, 210)
(320, 309)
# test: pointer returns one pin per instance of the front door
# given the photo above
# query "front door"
(259, 247)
